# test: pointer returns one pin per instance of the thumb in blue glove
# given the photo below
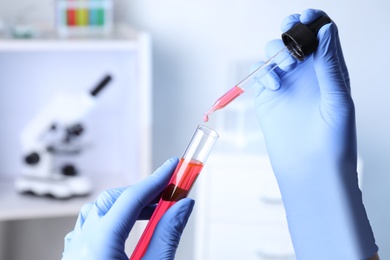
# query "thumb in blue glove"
(104, 225)
(308, 118)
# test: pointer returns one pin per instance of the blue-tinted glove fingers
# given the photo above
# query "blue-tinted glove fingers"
(166, 236)
(67, 239)
(310, 15)
(106, 200)
(289, 22)
(343, 65)
(332, 74)
(101, 205)
(265, 80)
(329, 39)
(283, 58)
(329, 63)
(93, 211)
(329, 50)
(270, 77)
(84, 212)
(133, 200)
(307, 16)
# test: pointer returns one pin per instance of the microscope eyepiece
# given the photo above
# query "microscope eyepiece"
(101, 85)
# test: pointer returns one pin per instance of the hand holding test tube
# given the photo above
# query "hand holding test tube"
(182, 180)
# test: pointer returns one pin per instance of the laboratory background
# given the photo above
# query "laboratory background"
(168, 63)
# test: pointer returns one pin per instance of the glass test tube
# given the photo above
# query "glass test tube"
(182, 180)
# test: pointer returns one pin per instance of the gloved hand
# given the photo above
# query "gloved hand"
(104, 225)
(308, 120)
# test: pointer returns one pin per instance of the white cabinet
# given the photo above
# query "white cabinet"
(118, 129)
(240, 212)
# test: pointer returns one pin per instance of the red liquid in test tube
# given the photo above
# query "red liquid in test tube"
(180, 184)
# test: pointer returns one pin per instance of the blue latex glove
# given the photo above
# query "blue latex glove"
(308, 119)
(104, 225)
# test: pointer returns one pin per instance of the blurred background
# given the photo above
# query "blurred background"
(199, 50)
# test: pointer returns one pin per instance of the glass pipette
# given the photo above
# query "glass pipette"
(238, 89)
(300, 41)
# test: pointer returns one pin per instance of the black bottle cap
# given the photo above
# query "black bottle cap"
(301, 39)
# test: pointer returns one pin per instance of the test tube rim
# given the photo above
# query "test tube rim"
(203, 135)
(208, 131)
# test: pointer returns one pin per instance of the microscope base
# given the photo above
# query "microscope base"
(60, 188)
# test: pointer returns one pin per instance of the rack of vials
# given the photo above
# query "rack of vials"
(84, 17)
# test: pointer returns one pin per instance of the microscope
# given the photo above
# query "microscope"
(51, 144)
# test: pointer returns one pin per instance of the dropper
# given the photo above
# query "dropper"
(300, 41)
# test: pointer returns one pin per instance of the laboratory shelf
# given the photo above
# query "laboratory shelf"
(122, 38)
(16, 206)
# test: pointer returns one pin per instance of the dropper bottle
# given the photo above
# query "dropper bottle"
(300, 41)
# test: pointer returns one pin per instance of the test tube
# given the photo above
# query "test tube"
(181, 182)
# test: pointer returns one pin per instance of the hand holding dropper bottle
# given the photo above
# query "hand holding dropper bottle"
(300, 41)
